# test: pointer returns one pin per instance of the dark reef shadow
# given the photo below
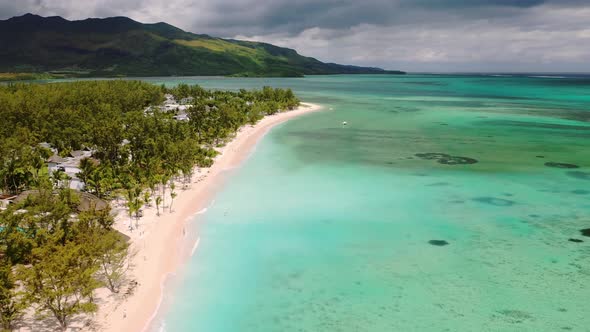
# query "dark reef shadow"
(494, 201)
(560, 165)
(580, 192)
(579, 175)
(438, 243)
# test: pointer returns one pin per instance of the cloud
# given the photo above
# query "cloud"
(545, 43)
(416, 35)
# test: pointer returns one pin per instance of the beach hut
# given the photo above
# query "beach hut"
(79, 154)
(55, 162)
(90, 202)
(48, 146)
(186, 101)
(169, 99)
(5, 200)
(55, 159)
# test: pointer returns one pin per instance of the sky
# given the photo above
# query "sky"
(410, 35)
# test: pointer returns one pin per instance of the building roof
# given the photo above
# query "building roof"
(89, 202)
(181, 117)
(187, 100)
(77, 153)
(56, 159)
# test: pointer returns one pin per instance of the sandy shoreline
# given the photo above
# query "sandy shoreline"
(155, 245)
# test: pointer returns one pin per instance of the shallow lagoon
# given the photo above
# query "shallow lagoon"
(329, 228)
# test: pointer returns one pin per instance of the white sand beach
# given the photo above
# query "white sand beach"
(155, 246)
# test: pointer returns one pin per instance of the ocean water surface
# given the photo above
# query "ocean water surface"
(344, 228)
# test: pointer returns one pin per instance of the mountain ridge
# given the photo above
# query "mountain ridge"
(121, 46)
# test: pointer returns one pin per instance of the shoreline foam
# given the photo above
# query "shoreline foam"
(155, 252)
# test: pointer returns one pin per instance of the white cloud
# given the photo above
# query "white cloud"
(414, 35)
(544, 44)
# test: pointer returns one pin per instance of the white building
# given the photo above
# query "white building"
(70, 166)
(187, 101)
(169, 99)
(181, 116)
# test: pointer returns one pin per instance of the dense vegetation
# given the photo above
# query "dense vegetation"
(120, 46)
(58, 253)
(28, 76)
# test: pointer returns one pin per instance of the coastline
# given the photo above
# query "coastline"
(154, 247)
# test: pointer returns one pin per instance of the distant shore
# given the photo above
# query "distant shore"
(155, 245)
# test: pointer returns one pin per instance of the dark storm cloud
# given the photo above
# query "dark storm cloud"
(230, 17)
(259, 16)
(409, 34)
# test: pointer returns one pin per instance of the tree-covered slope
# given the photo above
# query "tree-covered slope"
(121, 46)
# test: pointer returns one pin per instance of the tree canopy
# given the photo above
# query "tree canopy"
(130, 142)
(60, 250)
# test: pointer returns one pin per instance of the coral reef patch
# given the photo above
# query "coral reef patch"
(438, 243)
(494, 201)
(560, 165)
(446, 159)
(579, 175)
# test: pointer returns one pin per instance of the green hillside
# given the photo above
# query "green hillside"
(119, 46)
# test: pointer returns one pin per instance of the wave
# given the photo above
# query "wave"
(195, 246)
(162, 327)
(205, 209)
(155, 313)
(547, 76)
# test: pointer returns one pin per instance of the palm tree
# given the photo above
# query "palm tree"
(172, 194)
(61, 179)
(147, 197)
(163, 184)
(94, 180)
(137, 208)
(87, 166)
(158, 202)
(131, 206)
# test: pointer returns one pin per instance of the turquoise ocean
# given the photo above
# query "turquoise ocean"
(328, 227)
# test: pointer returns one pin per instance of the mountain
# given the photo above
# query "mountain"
(120, 46)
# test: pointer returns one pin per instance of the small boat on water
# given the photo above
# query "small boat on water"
(344, 123)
